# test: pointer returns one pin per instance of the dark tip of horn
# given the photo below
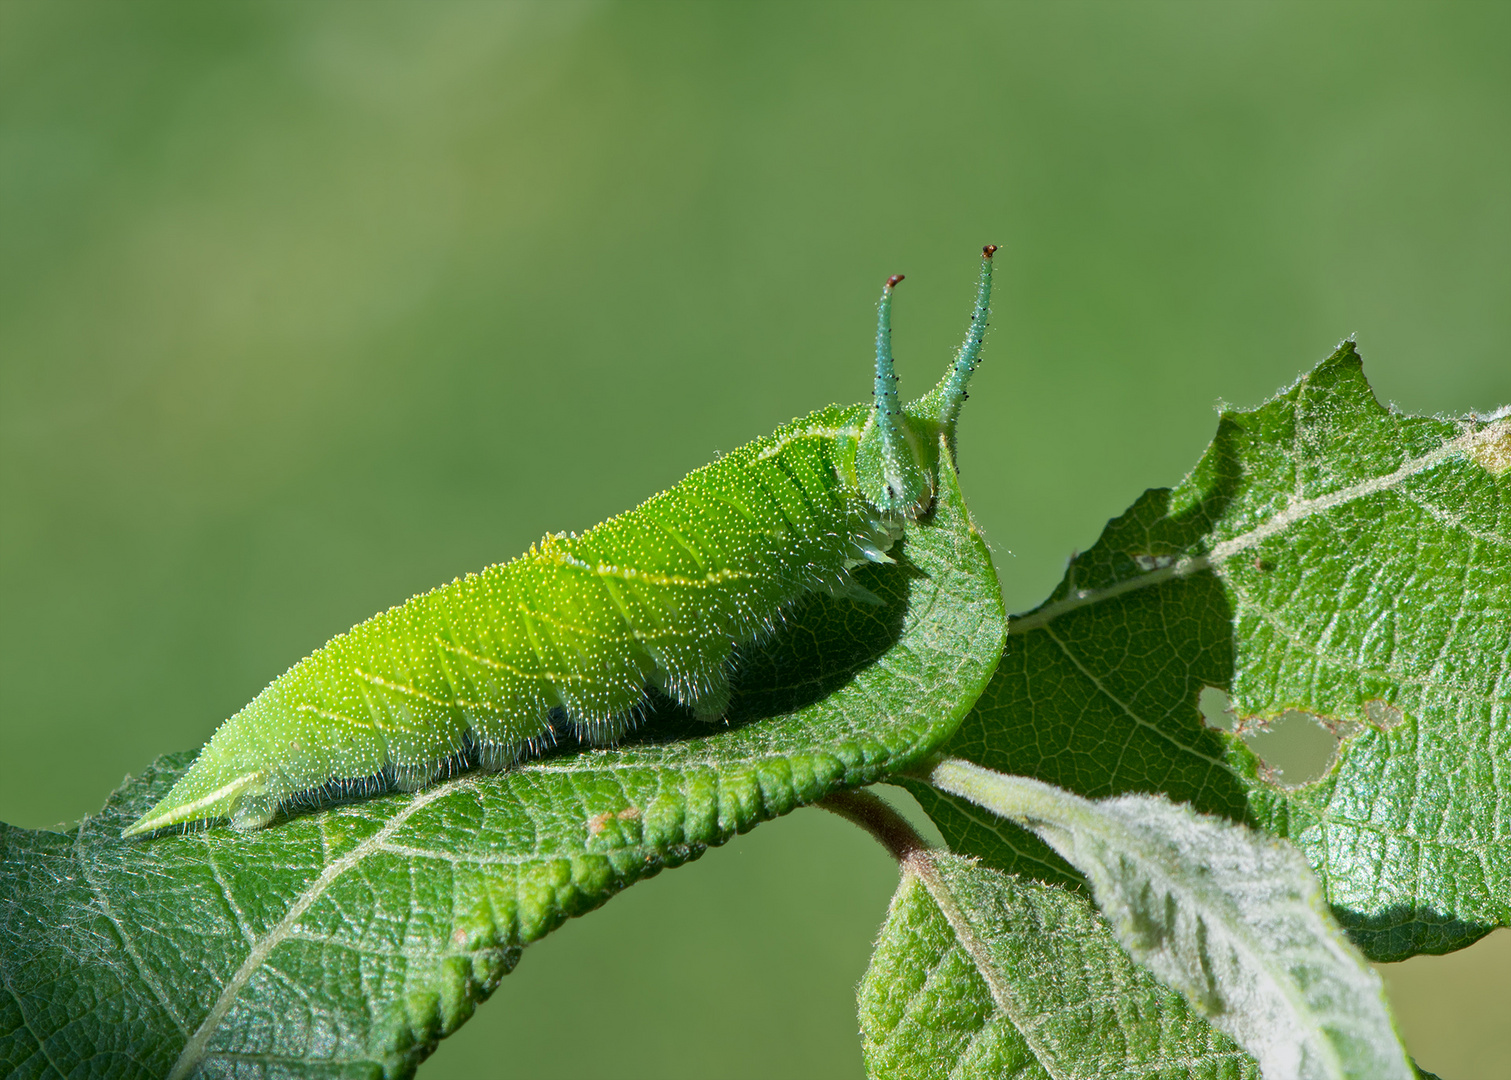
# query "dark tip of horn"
(894, 279)
(989, 250)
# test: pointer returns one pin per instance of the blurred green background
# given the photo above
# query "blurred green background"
(308, 307)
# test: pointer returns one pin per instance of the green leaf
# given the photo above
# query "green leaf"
(979, 974)
(1329, 557)
(346, 942)
(1232, 918)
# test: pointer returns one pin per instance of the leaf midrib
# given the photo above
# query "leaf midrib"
(195, 1050)
(922, 865)
(1221, 552)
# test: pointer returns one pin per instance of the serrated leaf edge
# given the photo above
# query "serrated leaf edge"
(1463, 446)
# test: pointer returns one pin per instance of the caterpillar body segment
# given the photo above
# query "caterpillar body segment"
(573, 634)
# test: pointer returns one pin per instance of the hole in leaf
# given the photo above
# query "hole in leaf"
(1216, 709)
(1297, 747)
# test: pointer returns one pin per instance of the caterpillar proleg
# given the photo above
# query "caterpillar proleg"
(577, 632)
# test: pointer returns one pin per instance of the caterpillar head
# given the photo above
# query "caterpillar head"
(898, 457)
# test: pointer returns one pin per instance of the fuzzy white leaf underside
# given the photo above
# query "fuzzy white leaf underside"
(1232, 918)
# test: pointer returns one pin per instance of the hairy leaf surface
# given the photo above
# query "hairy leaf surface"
(1327, 558)
(346, 942)
(1231, 917)
(980, 974)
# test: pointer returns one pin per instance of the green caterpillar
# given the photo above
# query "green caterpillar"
(580, 628)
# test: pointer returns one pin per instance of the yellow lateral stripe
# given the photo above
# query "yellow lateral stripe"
(413, 691)
(661, 633)
(371, 724)
(486, 661)
(631, 573)
(623, 609)
(466, 705)
(537, 676)
(694, 496)
(571, 628)
(339, 718)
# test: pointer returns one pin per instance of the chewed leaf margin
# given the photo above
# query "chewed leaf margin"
(1311, 522)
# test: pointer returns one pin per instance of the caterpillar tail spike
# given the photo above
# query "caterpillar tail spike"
(573, 635)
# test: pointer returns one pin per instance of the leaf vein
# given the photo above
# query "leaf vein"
(1221, 552)
(146, 973)
(195, 1050)
(1135, 717)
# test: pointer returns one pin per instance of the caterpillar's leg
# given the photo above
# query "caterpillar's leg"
(713, 703)
(523, 722)
(696, 677)
(415, 777)
(606, 731)
(496, 756)
(254, 811)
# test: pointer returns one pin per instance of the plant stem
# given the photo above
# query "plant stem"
(878, 818)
